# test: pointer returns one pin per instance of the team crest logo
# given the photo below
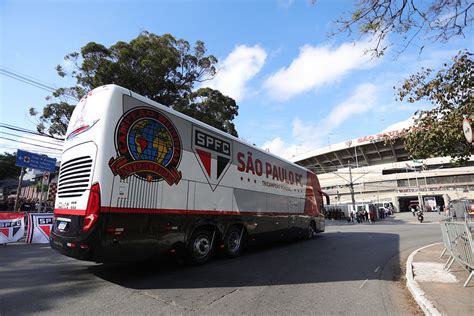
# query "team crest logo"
(214, 154)
(12, 227)
(148, 147)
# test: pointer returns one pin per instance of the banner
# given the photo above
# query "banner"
(12, 227)
(39, 228)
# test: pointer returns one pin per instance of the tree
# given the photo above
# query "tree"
(56, 116)
(210, 106)
(7, 166)
(161, 68)
(438, 131)
(407, 20)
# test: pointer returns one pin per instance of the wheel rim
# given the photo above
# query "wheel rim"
(233, 242)
(201, 246)
(310, 231)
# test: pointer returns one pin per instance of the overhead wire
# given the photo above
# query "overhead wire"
(29, 138)
(27, 143)
(30, 81)
(24, 130)
(34, 150)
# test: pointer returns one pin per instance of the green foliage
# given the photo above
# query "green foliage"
(161, 68)
(211, 107)
(403, 23)
(438, 131)
(7, 166)
(38, 185)
(54, 119)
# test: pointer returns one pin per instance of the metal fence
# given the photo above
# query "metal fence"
(457, 238)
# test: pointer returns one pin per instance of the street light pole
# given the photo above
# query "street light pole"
(22, 173)
(351, 186)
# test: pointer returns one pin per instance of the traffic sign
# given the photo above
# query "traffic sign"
(34, 161)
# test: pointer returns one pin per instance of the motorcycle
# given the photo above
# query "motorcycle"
(420, 217)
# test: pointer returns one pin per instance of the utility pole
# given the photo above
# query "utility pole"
(351, 186)
(22, 173)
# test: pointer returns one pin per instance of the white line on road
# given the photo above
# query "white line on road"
(377, 269)
(363, 283)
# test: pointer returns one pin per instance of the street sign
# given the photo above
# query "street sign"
(34, 161)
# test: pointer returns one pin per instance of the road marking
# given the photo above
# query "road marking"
(377, 269)
(362, 285)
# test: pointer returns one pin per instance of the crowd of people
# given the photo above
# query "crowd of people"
(334, 213)
(25, 205)
(374, 213)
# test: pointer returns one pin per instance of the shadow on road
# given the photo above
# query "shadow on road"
(32, 275)
(37, 279)
(331, 257)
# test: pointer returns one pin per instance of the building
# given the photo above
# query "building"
(381, 171)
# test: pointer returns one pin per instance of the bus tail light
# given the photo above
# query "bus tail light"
(93, 208)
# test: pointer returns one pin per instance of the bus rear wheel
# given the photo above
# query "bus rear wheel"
(233, 241)
(200, 247)
(310, 231)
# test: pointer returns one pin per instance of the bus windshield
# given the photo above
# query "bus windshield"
(83, 118)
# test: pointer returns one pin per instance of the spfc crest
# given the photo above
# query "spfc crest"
(148, 147)
(214, 154)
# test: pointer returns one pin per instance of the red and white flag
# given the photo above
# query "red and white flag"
(39, 227)
(12, 227)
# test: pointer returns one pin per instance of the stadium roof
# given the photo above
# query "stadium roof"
(365, 151)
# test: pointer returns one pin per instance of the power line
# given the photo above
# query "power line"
(24, 130)
(31, 81)
(26, 80)
(27, 77)
(21, 142)
(35, 150)
(29, 138)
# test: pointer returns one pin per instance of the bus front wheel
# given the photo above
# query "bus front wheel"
(200, 246)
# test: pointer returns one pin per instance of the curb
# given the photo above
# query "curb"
(420, 297)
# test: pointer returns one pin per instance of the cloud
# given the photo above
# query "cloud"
(240, 66)
(316, 66)
(400, 125)
(361, 101)
(285, 4)
(307, 136)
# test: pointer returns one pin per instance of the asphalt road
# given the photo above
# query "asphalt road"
(351, 269)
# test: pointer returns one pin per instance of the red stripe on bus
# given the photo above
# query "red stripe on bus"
(63, 211)
(106, 209)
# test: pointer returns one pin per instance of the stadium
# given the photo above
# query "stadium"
(377, 171)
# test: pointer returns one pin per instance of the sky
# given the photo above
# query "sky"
(297, 88)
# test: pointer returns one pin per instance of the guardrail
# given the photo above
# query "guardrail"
(457, 238)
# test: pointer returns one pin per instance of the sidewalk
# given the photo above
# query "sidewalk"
(439, 292)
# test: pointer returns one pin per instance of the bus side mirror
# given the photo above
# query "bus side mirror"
(328, 202)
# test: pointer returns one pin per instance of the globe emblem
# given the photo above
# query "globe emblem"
(149, 140)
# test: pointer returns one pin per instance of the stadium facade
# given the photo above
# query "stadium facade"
(382, 172)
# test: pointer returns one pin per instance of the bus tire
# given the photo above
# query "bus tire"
(311, 230)
(200, 246)
(234, 241)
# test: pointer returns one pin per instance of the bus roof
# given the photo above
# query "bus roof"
(115, 88)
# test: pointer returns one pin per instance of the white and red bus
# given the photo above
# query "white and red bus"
(138, 179)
